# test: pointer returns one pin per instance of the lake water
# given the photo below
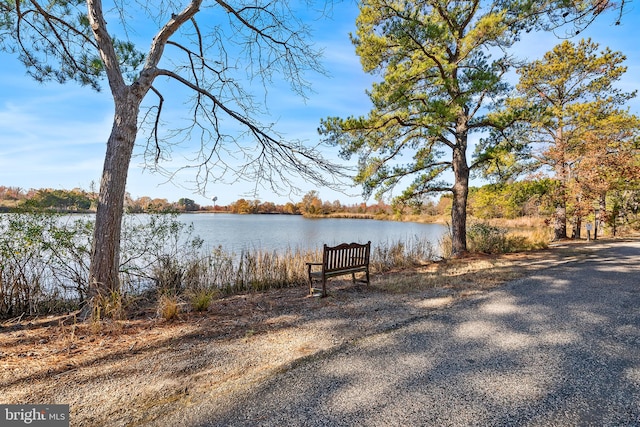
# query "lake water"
(280, 232)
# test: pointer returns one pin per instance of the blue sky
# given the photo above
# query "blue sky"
(53, 136)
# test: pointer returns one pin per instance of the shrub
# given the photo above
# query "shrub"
(445, 244)
(487, 238)
(167, 274)
(168, 307)
(110, 306)
(43, 262)
(201, 299)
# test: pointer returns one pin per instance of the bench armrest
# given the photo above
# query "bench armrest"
(311, 264)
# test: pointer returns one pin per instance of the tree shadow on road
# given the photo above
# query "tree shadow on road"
(557, 348)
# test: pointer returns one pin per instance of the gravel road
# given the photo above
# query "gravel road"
(559, 348)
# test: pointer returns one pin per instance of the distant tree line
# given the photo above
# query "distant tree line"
(310, 205)
(76, 200)
(79, 200)
(527, 198)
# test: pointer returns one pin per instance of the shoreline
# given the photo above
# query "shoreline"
(137, 371)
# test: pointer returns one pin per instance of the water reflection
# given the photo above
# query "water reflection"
(280, 232)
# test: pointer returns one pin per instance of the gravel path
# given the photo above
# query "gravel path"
(560, 348)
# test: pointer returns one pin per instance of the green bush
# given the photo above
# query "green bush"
(201, 299)
(44, 259)
(43, 262)
(486, 238)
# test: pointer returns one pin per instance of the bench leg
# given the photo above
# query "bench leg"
(324, 287)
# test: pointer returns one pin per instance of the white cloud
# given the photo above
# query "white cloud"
(54, 136)
(52, 140)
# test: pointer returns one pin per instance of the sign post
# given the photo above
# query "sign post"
(589, 227)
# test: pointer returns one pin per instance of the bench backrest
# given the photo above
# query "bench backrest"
(345, 255)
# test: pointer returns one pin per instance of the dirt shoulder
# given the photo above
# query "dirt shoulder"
(134, 372)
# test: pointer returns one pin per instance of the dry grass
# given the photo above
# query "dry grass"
(109, 305)
(427, 219)
(536, 237)
(134, 371)
(476, 272)
(168, 307)
(525, 222)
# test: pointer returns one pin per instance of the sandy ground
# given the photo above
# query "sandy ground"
(135, 372)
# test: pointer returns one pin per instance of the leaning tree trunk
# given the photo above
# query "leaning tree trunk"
(460, 194)
(105, 251)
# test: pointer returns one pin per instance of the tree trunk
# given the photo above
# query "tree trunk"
(601, 215)
(105, 251)
(560, 215)
(560, 223)
(459, 206)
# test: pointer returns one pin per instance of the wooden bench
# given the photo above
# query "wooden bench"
(346, 258)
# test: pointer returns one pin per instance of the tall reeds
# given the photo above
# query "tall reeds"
(398, 254)
(44, 263)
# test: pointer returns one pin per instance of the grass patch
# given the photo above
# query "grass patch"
(471, 273)
(168, 307)
(201, 299)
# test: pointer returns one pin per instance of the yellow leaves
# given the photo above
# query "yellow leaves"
(370, 49)
(489, 28)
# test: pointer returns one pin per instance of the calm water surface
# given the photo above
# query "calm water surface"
(280, 232)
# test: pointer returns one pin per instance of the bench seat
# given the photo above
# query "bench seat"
(346, 258)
